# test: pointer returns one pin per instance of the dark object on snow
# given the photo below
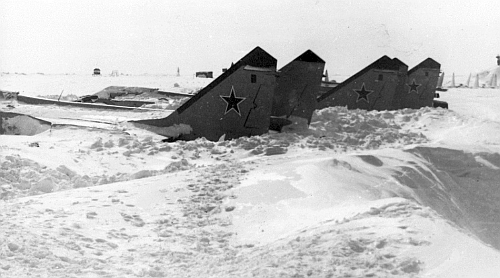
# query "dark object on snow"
(277, 124)
(97, 71)
(297, 86)
(88, 98)
(126, 103)
(8, 95)
(20, 124)
(438, 103)
(205, 74)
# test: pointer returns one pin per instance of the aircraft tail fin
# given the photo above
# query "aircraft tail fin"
(298, 84)
(493, 81)
(476, 82)
(420, 86)
(237, 103)
(372, 88)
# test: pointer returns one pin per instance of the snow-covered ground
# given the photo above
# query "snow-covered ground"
(409, 193)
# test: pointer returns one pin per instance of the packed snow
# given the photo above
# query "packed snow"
(407, 193)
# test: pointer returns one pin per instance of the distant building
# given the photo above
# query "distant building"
(115, 73)
(205, 74)
(225, 69)
(97, 71)
(498, 60)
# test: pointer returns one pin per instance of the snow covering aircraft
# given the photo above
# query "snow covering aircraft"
(248, 99)
(251, 97)
(109, 94)
(237, 103)
(372, 88)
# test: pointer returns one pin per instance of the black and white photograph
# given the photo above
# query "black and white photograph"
(264, 138)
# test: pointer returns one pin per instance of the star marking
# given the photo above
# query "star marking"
(413, 87)
(233, 102)
(363, 93)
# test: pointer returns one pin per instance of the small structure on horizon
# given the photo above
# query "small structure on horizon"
(97, 71)
(225, 69)
(114, 73)
(498, 60)
(204, 74)
(178, 72)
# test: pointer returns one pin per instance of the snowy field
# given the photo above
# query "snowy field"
(408, 193)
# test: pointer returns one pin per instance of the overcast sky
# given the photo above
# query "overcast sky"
(66, 36)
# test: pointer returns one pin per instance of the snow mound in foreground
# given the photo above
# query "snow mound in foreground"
(461, 186)
(333, 129)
